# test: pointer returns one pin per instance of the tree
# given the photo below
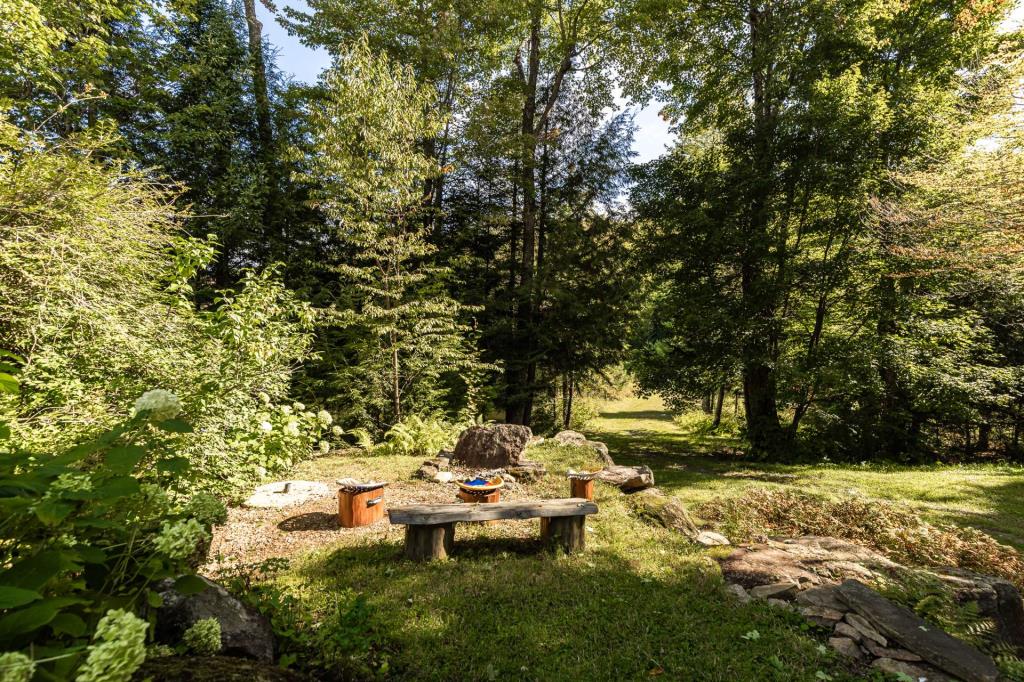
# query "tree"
(793, 114)
(408, 335)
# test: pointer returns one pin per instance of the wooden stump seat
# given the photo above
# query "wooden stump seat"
(430, 528)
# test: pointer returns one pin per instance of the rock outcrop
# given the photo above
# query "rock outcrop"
(244, 631)
(627, 479)
(578, 439)
(495, 446)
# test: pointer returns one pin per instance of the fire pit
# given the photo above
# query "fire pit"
(359, 503)
(480, 490)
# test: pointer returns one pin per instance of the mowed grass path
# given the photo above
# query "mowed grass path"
(640, 430)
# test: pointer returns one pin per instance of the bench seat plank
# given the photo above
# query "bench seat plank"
(433, 514)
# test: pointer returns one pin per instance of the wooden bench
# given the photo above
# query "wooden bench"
(430, 528)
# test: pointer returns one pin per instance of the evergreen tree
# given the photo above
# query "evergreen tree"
(406, 335)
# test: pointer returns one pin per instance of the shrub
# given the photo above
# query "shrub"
(96, 293)
(87, 531)
(418, 436)
(892, 529)
(203, 638)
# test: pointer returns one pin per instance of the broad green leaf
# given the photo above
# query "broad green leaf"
(154, 599)
(174, 426)
(122, 460)
(172, 465)
(52, 512)
(35, 571)
(13, 597)
(8, 384)
(190, 584)
(68, 623)
(117, 487)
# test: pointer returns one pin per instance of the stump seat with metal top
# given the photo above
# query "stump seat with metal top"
(430, 528)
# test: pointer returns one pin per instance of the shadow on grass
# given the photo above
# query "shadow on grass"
(507, 610)
(657, 415)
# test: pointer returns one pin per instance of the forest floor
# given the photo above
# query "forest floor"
(640, 602)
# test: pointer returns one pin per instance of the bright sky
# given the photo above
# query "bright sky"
(305, 64)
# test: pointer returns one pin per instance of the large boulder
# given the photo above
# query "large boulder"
(578, 439)
(628, 479)
(495, 446)
(995, 598)
(244, 631)
(669, 512)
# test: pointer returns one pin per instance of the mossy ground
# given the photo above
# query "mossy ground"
(641, 602)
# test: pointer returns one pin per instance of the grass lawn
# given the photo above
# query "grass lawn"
(639, 430)
(640, 603)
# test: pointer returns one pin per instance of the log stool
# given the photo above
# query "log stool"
(581, 484)
(360, 504)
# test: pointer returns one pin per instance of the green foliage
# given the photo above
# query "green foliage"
(406, 339)
(340, 639)
(203, 638)
(419, 437)
(95, 295)
(87, 531)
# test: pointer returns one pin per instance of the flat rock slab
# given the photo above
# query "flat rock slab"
(809, 560)
(628, 479)
(287, 494)
(915, 634)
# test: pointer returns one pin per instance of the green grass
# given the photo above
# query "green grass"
(641, 602)
(984, 496)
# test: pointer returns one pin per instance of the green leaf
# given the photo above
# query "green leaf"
(190, 584)
(52, 512)
(35, 571)
(13, 597)
(69, 624)
(8, 384)
(174, 426)
(172, 465)
(5, 431)
(117, 487)
(122, 460)
(28, 620)
(154, 599)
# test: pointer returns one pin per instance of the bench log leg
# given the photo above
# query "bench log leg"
(424, 543)
(568, 532)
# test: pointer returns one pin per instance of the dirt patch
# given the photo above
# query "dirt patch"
(253, 535)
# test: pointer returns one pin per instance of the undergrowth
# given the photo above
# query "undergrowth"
(893, 529)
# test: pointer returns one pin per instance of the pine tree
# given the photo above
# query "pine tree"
(406, 339)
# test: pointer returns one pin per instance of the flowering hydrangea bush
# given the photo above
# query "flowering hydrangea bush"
(119, 650)
(203, 638)
(89, 530)
(159, 405)
(16, 667)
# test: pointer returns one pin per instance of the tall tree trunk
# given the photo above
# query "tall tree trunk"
(264, 128)
(759, 295)
(718, 407)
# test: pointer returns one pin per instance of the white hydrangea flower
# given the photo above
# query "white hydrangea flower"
(160, 404)
(292, 428)
(336, 431)
(119, 650)
(298, 407)
(264, 398)
(16, 667)
(286, 409)
(324, 417)
(324, 446)
(179, 540)
(266, 427)
(204, 637)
